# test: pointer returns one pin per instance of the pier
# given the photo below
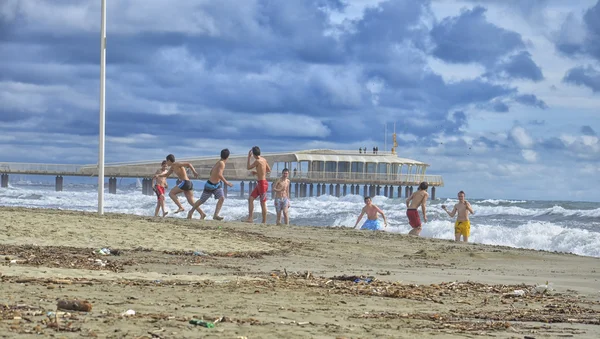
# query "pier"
(312, 172)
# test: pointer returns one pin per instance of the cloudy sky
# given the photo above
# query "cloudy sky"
(501, 97)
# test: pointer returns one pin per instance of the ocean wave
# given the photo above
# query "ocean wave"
(547, 226)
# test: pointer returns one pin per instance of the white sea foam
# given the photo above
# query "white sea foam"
(560, 230)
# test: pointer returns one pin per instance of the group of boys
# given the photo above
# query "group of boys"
(260, 168)
(462, 226)
(213, 187)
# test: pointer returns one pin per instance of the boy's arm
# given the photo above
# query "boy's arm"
(190, 166)
(382, 214)
(268, 168)
(408, 199)
(469, 208)
(165, 174)
(275, 185)
(423, 206)
(248, 166)
(222, 177)
(359, 217)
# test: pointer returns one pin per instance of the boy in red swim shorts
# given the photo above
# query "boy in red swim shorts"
(419, 198)
(158, 185)
(262, 168)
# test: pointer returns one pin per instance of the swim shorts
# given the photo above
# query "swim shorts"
(373, 225)
(413, 217)
(211, 189)
(262, 186)
(186, 185)
(160, 191)
(462, 227)
(281, 204)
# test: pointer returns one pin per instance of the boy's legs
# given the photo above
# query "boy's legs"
(250, 209)
(286, 215)
(263, 207)
(173, 194)
(220, 196)
(190, 199)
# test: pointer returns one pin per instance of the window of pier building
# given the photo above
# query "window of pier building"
(357, 169)
(343, 169)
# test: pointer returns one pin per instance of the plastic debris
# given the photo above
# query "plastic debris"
(202, 323)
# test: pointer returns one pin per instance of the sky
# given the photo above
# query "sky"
(500, 97)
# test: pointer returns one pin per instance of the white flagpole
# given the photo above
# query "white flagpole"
(102, 120)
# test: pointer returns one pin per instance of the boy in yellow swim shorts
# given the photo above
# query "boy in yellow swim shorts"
(462, 226)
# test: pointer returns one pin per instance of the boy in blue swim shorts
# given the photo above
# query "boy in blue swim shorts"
(372, 222)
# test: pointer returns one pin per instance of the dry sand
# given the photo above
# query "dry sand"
(268, 281)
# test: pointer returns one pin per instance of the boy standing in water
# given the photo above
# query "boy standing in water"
(372, 222)
(419, 198)
(159, 184)
(282, 197)
(462, 226)
(262, 185)
(214, 187)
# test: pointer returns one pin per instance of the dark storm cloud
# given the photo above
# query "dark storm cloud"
(518, 66)
(588, 130)
(469, 37)
(586, 76)
(224, 68)
(568, 41)
(531, 100)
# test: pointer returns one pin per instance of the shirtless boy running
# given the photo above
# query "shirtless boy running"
(214, 187)
(185, 185)
(419, 198)
(372, 222)
(462, 226)
(262, 185)
(282, 196)
(159, 184)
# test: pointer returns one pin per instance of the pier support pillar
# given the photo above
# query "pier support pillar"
(391, 195)
(352, 189)
(433, 193)
(4, 180)
(406, 191)
(372, 191)
(58, 183)
(337, 190)
(378, 190)
(311, 189)
(112, 185)
(331, 189)
(149, 190)
(399, 191)
(345, 190)
(144, 186)
(385, 191)
(318, 190)
(365, 191)
(296, 190)
(323, 189)
(242, 189)
(411, 190)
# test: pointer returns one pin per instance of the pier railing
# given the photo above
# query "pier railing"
(230, 174)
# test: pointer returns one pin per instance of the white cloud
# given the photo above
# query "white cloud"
(521, 137)
(529, 155)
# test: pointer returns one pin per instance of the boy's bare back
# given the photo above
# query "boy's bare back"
(261, 168)
(417, 199)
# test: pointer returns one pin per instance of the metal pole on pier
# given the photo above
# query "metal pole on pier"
(102, 120)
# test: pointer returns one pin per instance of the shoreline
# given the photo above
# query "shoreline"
(273, 281)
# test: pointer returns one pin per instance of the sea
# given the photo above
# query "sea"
(561, 226)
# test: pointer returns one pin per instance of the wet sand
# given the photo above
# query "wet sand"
(266, 281)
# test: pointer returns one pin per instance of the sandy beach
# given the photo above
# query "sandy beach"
(266, 281)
